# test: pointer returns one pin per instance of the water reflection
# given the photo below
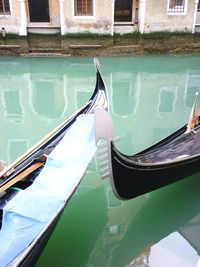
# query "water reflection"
(38, 94)
(167, 99)
(103, 231)
(12, 106)
(150, 97)
(166, 211)
(173, 250)
(126, 89)
(57, 101)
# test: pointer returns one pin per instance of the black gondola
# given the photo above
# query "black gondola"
(170, 160)
(26, 169)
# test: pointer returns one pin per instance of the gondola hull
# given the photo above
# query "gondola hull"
(175, 157)
(29, 258)
(170, 160)
(130, 180)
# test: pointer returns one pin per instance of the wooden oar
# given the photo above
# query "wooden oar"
(21, 175)
(38, 144)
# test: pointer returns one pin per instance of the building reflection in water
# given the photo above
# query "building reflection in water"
(146, 105)
(36, 96)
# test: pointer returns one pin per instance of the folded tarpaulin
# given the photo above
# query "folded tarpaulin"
(26, 215)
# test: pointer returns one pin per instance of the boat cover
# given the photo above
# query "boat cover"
(26, 215)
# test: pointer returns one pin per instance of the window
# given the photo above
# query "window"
(198, 8)
(177, 6)
(123, 10)
(4, 7)
(83, 7)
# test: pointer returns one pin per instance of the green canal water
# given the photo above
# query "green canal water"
(150, 97)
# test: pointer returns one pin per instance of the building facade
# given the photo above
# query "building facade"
(98, 16)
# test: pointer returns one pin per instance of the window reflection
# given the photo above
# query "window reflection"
(167, 99)
(114, 230)
(123, 98)
(192, 88)
(13, 106)
(54, 99)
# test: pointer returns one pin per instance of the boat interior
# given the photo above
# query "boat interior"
(184, 146)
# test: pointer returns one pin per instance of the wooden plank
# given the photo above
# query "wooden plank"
(21, 175)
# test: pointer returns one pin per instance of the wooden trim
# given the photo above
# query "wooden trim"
(22, 175)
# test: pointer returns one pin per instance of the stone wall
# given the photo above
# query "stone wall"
(99, 23)
(94, 45)
(157, 18)
(11, 22)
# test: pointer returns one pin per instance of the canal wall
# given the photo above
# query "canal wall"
(98, 45)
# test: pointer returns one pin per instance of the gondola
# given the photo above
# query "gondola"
(20, 178)
(172, 159)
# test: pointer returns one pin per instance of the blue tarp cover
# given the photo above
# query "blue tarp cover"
(30, 210)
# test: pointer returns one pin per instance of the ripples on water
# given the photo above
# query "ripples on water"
(150, 97)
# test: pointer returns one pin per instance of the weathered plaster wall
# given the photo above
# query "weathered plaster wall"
(54, 12)
(11, 22)
(100, 22)
(157, 18)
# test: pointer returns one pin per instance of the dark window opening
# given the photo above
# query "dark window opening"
(123, 10)
(39, 11)
(4, 7)
(198, 7)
